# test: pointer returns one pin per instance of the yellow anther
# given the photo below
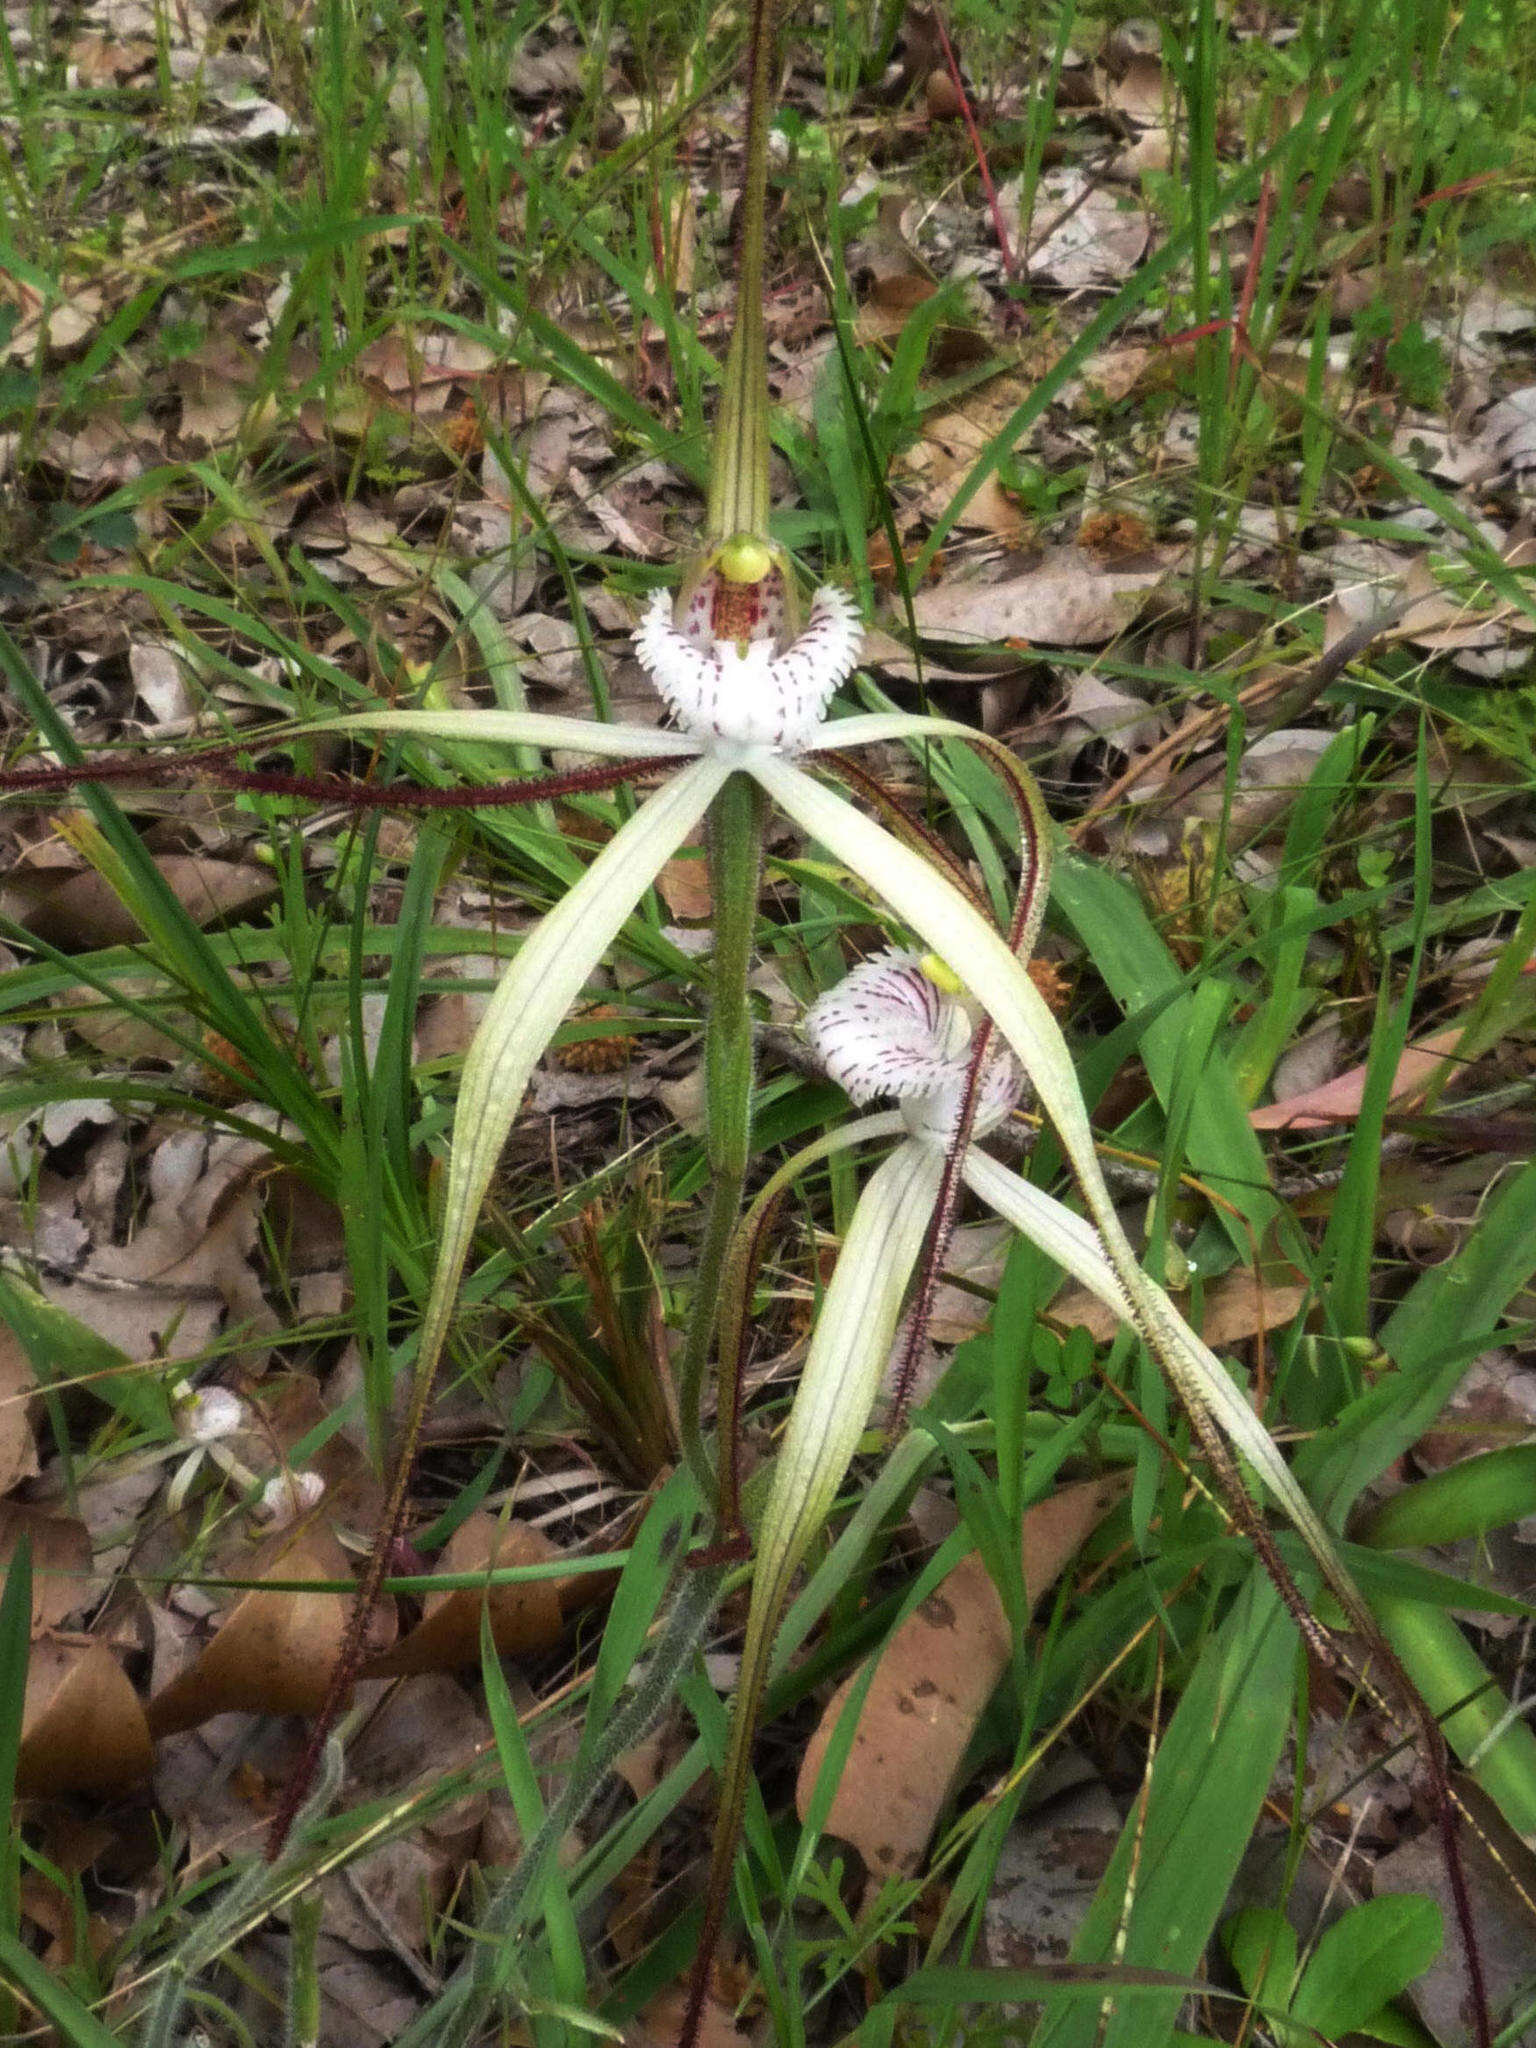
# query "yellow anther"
(743, 559)
(941, 974)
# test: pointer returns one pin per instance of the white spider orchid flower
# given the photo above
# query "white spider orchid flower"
(710, 670)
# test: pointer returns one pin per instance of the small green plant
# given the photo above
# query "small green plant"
(1347, 1982)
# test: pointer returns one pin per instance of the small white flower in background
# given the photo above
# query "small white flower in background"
(891, 1028)
(206, 1415)
(205, 1418)
(288, 1496)
(724, 677)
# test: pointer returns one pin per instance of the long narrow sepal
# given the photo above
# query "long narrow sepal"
(535, 993)
(1075, 1245)
(848, 1351)
(521, 729)
(538, 988)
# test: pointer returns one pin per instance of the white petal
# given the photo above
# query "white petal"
(291, 1494)
(806, 676)
(521, 728)
(209, 1414)
(745, 694)
(882, 1030)
(533, 996)
(687, 677)
(886, 1029)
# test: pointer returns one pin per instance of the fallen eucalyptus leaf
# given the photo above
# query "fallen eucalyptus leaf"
(524, 1618)
(83, 1729)
(274, 1652)
(933, 1680)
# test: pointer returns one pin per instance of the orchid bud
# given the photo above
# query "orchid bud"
(287, 1496)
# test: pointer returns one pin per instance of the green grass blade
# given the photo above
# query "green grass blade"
(1174, 1864)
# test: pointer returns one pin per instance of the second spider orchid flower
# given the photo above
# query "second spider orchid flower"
(897, 1026)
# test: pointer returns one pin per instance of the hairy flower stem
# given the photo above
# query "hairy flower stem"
(737, 821)
(739, 480)
(457, 2016)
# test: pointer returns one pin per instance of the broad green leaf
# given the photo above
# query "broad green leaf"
(1471, 1497)
(1495, 1744)
(522, 1782)
(1262, 1945)
(1142, 975)
(1366, 1958)
(1432, 1336)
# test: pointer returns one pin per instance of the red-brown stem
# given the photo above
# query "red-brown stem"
(946, 1211)
(1456, 1876)
(1004, 246)
(941, 1231)
(350, 791)
(344, 1672)
(1251, 280)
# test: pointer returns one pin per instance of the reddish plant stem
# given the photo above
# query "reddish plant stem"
(1005, 248)
(941, 1232)
(946, 1213)
(1250, 285)
(906, 824)
(350, 791)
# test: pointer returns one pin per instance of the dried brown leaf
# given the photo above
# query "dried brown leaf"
(275, 1650)
(1142, 90)
(1068, 599)
(1239, 1306)
(660, 2024)
(684, 886)
(1339, 1100)
(1081, 235)
(81, 911)
(524, 1618)
(83, 1729)
(933, 1680)
(1117, 371)
(18, 1452)
(62, 1582)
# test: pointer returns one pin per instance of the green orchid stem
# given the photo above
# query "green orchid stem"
(737, 823)
(738, 482)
